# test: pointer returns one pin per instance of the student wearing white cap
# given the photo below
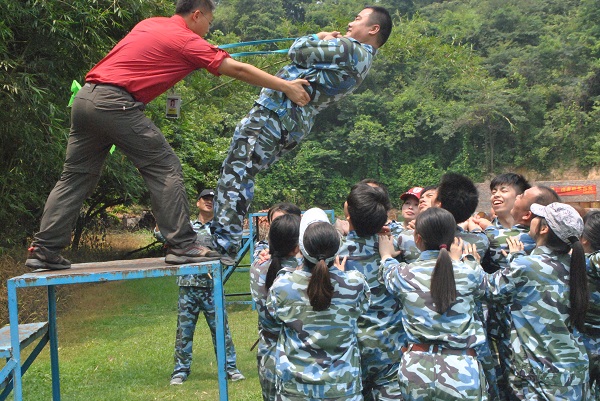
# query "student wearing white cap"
(318, 307)
(548, 295)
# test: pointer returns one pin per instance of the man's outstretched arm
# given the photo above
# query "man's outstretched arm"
(294, 90)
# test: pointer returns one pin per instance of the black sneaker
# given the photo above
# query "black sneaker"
(227, 260)
(41, 258)
(194, 253)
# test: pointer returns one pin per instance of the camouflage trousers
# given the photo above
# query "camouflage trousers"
(192, 300)
(594, 377)
(524, 389)
(380, 383)
(266, 373)
(258, 142)
(491, 369)
(426, 376)
(498, 330)
(283, 397)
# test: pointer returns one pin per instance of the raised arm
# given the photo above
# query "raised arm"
(326, 49)
(294, 90)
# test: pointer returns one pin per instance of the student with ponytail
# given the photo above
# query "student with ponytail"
(318, 306)
(283, 247)
(591, 335)
(437, 294)
(547, 294)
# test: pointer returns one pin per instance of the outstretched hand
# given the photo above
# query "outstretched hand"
(386, 247)
(263, 256)
(457, 248)
(329, 35)
(296, 92)
(340, 265)
(514, 245)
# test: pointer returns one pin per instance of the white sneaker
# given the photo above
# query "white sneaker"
(177, 380)
(234, 377)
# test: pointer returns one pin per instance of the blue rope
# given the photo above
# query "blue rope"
(254, 42)
(242, 54)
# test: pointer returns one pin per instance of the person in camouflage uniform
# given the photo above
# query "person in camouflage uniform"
(380, 334)
(547, 295)
(335, 66)
(438, 297)
(283, 247)
(428, 198)
(196, 295)
(457, 194)
(406, 239)
(505, 189)
(318, 307)
(404, 231)
(591, 335)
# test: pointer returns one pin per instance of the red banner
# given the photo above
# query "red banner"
(572, 190)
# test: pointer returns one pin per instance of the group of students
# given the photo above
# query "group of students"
(445, 305)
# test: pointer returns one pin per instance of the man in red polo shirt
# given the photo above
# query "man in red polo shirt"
(156, 54)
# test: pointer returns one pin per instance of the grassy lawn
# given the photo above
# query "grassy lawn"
(116, 343)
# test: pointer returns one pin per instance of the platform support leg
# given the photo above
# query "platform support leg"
(53, 334)
(220, 320)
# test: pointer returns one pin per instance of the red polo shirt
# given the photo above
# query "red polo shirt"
(156, 54)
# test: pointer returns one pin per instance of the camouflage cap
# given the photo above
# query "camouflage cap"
(563, 219)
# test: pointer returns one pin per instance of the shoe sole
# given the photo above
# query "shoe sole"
(39, 264)
(227, 261)
(179, 260)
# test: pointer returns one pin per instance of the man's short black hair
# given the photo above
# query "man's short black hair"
(185, 7)
(367, 207)
(516, 180)
(458, 195)
(547, 196)
(381, 17)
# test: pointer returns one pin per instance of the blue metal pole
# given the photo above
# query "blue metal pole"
(53, 334)
(13, 318)
(220, 320)
(251, 237)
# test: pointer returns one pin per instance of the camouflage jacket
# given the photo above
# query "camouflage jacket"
(380, 333)
(536, 288)
(406, 244)
(411, 282)
(192, 280)
(396, 227)
(334, 69)
(317, 351)
(592, 317)
(497, 236)
(404, 241)
(477, 238)
(258, 276)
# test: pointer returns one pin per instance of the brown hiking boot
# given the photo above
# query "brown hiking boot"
(41, 258)
(195, 253)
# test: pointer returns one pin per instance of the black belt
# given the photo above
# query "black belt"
(438, 349)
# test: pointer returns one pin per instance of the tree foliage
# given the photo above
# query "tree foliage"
(473, 86)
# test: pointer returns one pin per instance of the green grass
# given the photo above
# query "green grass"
(116, 343)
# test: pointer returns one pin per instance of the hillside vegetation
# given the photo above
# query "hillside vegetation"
(478, 87)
